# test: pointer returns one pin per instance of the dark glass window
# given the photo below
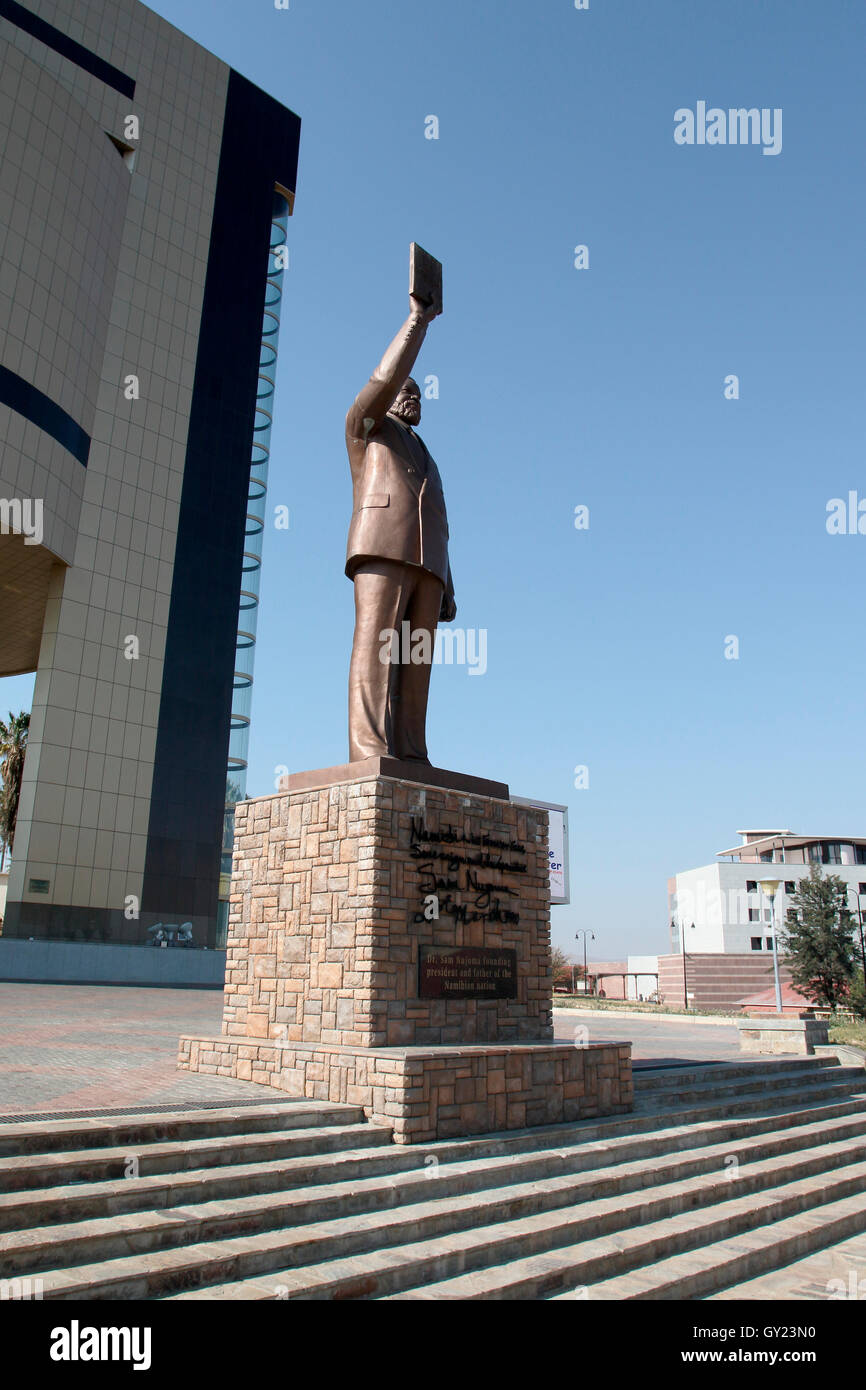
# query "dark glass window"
(751, 885)
(790, 886)
(67, 47)
(756, 943)
(40, 410)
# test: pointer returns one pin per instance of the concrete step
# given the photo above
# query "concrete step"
(307, 1201)
(114, 1131)
(648, 1079)
(836, 1272)
(506, 1185)
(528, 1257)
(763, 1084)
(720, 1268)
(91, 1165)
(404, 1247)
(581, 1268)
(535, 1151)
(754, 1101)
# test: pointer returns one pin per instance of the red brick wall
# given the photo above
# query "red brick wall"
(613, 984)
(716, 981)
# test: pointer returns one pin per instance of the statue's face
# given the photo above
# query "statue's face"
(407, 406)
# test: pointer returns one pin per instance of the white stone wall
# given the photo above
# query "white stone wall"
(715, 898)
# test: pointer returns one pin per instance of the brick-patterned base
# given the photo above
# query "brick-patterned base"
(434, 1093)
(341, 893)
(327, 921)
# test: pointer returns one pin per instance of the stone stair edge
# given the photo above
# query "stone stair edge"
(647, 1236)
(777, 1080)
(337, 1278)
(401, 1159)
(590, 1129)
(273, 1105)
(733, 1258)
(743, 1086)
(766, 1153)
(349, 1118)
(142, 1272)
(650, 1075)
(328, 1115)
(66, 1162)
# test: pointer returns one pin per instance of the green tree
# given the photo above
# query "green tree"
(818, 939)
(13, 746)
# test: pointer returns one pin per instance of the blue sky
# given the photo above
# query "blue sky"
(601, 387)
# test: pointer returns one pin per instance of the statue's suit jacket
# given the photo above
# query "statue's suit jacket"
(398, 503)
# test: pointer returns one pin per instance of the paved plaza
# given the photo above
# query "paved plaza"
(90, 1047)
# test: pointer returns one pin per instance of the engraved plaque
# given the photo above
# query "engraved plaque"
(467, 972)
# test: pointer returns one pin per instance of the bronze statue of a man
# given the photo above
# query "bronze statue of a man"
(397, 554)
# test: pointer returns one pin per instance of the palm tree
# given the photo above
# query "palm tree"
(13, 746)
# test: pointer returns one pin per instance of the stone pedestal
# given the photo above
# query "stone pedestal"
(435, 1092)
(389, 945)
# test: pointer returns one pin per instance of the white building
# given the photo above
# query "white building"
(721, 908)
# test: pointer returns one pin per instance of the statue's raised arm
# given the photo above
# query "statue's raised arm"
(372, 404)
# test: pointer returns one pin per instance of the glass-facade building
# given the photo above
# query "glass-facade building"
(145, 191)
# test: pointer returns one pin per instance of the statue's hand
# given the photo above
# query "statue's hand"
(423, 310)
(448, 610)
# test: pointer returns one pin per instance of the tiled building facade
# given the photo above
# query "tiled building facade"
(139, 184)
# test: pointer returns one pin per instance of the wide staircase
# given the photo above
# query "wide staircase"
(720, 1173)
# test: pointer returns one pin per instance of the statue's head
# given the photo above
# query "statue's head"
(407, 406)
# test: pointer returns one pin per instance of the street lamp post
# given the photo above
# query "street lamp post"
(682, 931)
(591, 936)
(770, 887)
